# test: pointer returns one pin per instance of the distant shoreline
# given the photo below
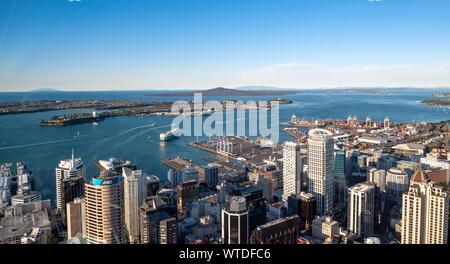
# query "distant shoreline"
(220, 91)
(243, 88)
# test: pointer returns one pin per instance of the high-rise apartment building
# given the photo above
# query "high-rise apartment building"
(424, 212)
(320, 168)
(361, 209)
(235, 221)
(292, 169)
(104, 219)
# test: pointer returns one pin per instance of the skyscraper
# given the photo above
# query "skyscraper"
(134, 184)
(70, 175)
(71, 188)
(424, 212)
(235, 221)
(320, 168)
(67, 169)
(339, 178)
(292, 169)
(104, 209)
(361, 212)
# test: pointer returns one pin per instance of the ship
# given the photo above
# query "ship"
(166, 136)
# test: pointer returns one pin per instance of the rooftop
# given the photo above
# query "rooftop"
(236, 204)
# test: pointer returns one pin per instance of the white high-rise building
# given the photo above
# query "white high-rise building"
(73, 167)
(134, 187)
(424, 212)
(321, 168)
(361, 210)
(292, 169)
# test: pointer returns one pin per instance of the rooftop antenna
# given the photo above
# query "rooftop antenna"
(73, 155)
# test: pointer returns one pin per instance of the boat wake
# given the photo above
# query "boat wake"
(39, 144)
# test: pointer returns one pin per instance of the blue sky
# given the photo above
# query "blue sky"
(173, 44)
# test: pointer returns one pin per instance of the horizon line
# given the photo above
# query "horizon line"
(238, 87)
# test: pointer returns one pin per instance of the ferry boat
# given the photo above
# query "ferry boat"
(166, 136)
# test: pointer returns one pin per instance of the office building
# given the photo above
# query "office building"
(280, 231)
(397, 182)
(75, 216)
(361, 209)
(190, 174)
(320, 168)
(339, 178)
(25, 197)
(292, 169)
(303, 205)
(377, 177)
(67, 169)
(235, 221)
(187, 192)
(71, 188)
(324, 227)
(256, 203)
(307, 210)
(386, 163)
(156, 222)
(134, 185)
(104, 209)
(153, 185)
(211, 175)
(174, 177)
